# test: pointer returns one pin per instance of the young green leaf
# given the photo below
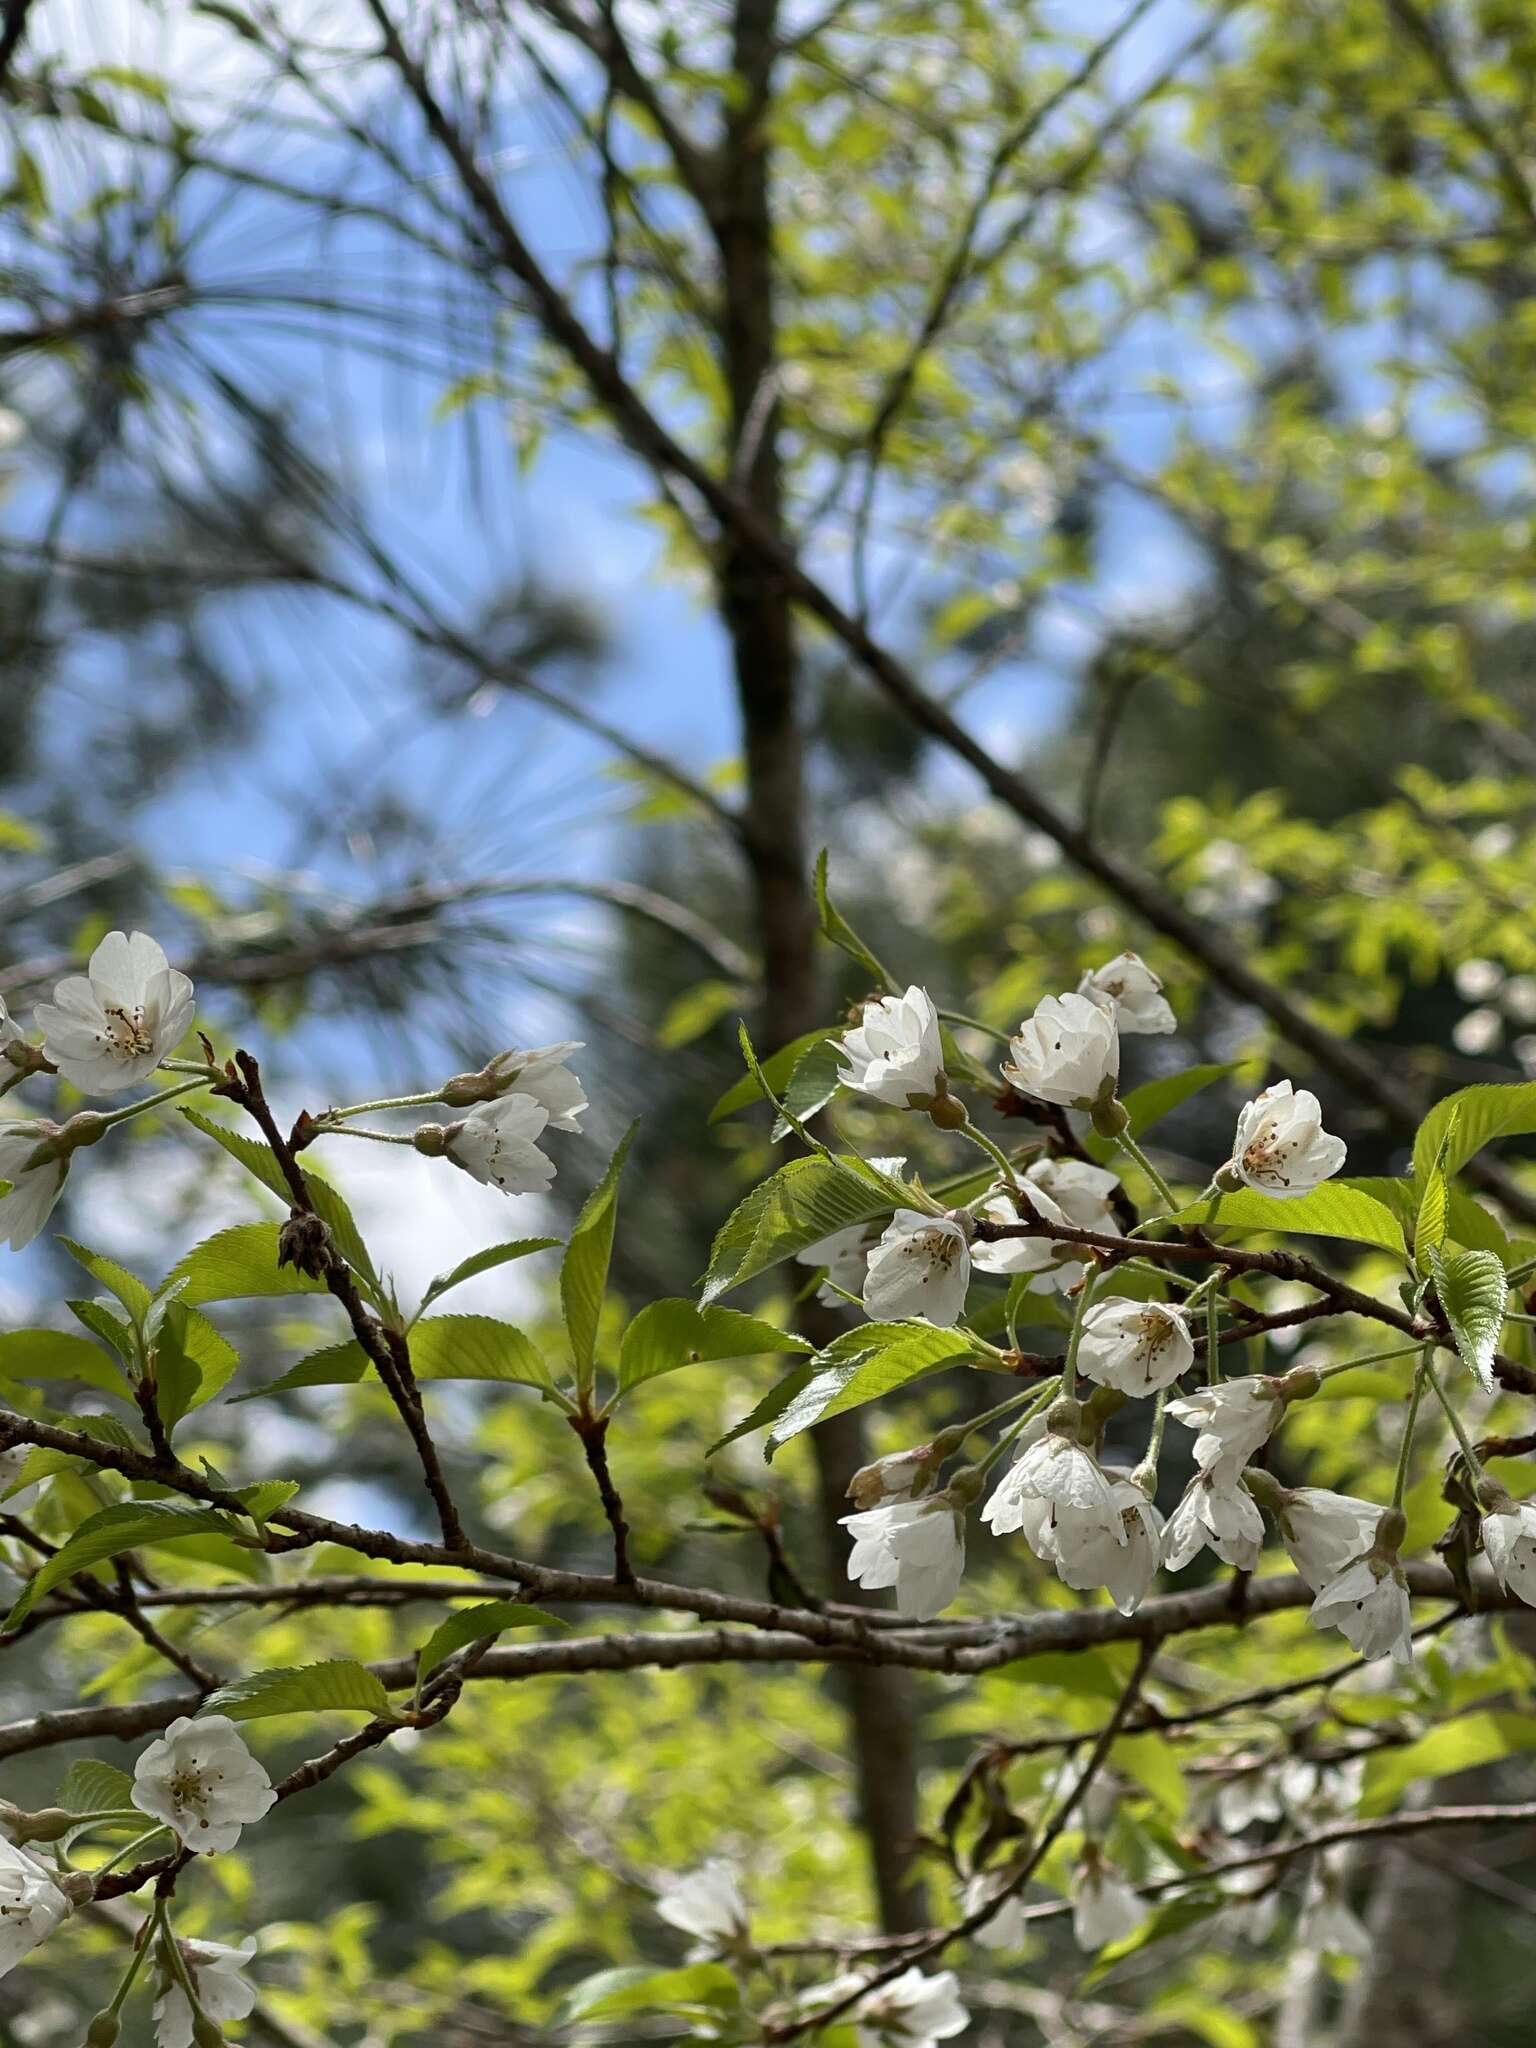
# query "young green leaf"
(1153, 1100)
(777, 1070)
(668, 1334)
(442, 1348)
(474, 1624)
(131, 1525)
(1473, 1290)
(57, 1355)
(129, 1289)
(811, 1086)
(836, 928)
(584, 1269)
(483, 1262)
(261, 1161)
(93, 1787)
(1495, 1109)
(338, 1686)
(805, 1200)
(862, 1375)
(239, 1264)
(1331, 1210)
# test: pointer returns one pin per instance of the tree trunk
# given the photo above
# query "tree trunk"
(760, 621)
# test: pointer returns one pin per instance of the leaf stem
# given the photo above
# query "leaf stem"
(1405, 1448)
(1473, 1465)
(1134, 1153)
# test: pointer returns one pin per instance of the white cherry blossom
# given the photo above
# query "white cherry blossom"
(222, 1991)
(1052, 1471)
(708, 1903)
(201, 1780)
(31, 1904)
(1323, 1531)
(1327, 1925)
(845, 1256)
(1135, 1346)
(543, 1074)
(1067, 1053)
(10, 1030)
(912, 2011)
(1120, 1551)
(1368, 1604)
(496, 1144)
(1128, 984)
(1249, 1796)
(920, 1267)
(1009, 1925)
(1065, 1191)
(917, 1546)
(1230, 1420)
(34, 1189)
(113, 1025)
(1216, 1512)
(1104, 1907)
(1281, 1147)
(895, 1054)
(1509, 1543)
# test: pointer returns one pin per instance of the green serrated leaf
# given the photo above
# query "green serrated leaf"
(1473, 1291)
(1331, 1210)
(58, 1355)
(109, 1326)
(260, 1160)
(93, 1787)
(1480, 1114)
(777, 1070)
(811, 1086)
(614, 1994)
(337, 1686)
(584, 1269)
(474, 1624)
(128, 1287)
(239, 1264)
(861, 1375)
(668, 1334)
(805, 1200)
(836, 928)
(131, 1525)
(484, 1262)
(442, 1348)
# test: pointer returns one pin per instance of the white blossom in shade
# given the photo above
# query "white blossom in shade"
(31, 1904)
(917, 1546)
(1368, 1603)
(1509, 1543)
(1134, 991)
(1120, 1552)
(1009, 1925)
(1104, 1907)
(1254, 1911)
(920, 1267)
(1053, 1481)
(1328, 1790)
(895, 1054)
(707, 1903)
(495, 1144)
(1136, 1346)
(543, 1074)
(1067, 1053)
(1281, 1147)
(10, 1030)
(1326, 1924)
(1064, 1191)
(1323, 1531)
(12, 1461)
(1249, 1796)
(113, 1025)
(222, 1991)
(844, 1254)
(34, 1189)
(1230, 1420)
(1218, 1513)
(912, 2011)
(201, 1780)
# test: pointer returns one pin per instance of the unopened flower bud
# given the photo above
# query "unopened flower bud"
(1265, 1488)
(77, 1886)
(205, 2033)
(49, 1824)
(305, 1244)
(103, 2030)
(901, 1476)
(463, 1091)
(1109, 1116)
(1390, 1532)
(432, 1139)
(947, 1111)
(965, 1486)
(1300, 1384)
(1227, 1180)
(1100, 1405)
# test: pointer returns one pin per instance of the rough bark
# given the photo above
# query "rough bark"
(760, 620)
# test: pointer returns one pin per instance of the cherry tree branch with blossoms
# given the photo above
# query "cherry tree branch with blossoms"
(1083, 1231)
